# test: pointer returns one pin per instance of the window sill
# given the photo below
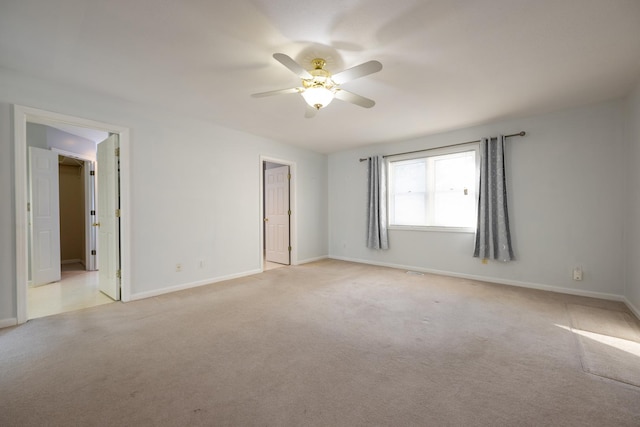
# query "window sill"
(436, 229)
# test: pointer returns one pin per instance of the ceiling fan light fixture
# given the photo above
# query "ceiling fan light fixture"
(319, 86)
(317, 96)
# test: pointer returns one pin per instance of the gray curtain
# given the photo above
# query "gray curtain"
(493, 238)
(376, 208)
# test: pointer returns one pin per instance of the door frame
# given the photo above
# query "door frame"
(23, 115)
(293, 228)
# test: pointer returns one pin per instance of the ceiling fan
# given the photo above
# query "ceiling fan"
(319, 86)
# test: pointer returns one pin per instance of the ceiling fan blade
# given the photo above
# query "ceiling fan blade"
(297, 69)
(310, 112)
(277, 92)
(351, 97)
(358, 71)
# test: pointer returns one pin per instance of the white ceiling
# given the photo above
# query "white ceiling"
(94, 135)
(447, 63)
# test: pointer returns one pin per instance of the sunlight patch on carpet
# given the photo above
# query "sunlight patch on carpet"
(609, 342)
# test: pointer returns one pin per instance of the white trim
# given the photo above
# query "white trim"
(468, 230)
(22, 115)
(499, 281)
(20, 177)
(308, 260)
(7, 323)
(293, 227)
(184, 286)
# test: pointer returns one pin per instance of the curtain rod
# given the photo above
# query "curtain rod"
(521, 133)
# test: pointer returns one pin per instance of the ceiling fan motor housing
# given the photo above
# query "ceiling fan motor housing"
(321, 77)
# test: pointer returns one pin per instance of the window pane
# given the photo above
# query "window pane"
(408, 192)
(410, 209)
(409, 176)
(454, 210)
(454, 192)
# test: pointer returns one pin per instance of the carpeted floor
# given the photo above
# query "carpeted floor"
(609, 340)
(323, 344)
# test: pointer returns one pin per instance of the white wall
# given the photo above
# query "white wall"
(566, 205)
(632, 291)
(195, 190)
(37, 136)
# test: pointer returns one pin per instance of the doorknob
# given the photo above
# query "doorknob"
(96, 224)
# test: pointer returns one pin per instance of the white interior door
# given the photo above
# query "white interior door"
(108, 224)
(276, 214)
(45, 216)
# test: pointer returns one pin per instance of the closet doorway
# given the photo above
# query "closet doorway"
(278, 213)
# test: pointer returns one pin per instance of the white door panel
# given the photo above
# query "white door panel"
(45, 216)
(108, 252)
(276, 191)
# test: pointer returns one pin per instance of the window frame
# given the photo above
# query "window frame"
(425, 154)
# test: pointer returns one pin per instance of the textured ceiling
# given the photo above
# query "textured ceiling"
(447, 63)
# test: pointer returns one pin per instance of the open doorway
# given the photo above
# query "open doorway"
(116, 175)
(77, 285)
(277, 179)
(65, 246)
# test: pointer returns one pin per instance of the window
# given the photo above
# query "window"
(438, 190)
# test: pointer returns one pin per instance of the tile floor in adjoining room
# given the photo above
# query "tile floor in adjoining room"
(77, 289)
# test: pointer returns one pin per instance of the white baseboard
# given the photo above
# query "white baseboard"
(497, 280)
(72, 261)
(308, 260)
(633, 308)
(6, 323)
(182, 287)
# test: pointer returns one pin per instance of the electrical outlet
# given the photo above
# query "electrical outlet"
(178, 267)
(577, 274)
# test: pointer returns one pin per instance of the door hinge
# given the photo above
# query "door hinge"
(92, 173)
(289, 248)
(117, 213)
(93, 252)
(28, 207)
(289, 176)
(117, 152)
(289, 212)
(119, 274)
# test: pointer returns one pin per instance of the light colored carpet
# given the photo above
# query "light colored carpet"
(609, 342)
(324, 344)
